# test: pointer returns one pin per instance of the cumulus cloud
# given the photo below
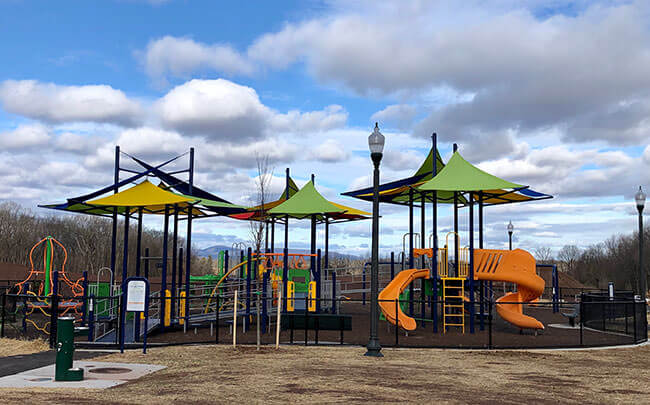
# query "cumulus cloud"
(54, 103)
(25, 137)
(180, 57)
(330, 151)
(221, 109)
(399, 115)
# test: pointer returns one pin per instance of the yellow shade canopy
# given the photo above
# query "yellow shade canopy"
(144, 195)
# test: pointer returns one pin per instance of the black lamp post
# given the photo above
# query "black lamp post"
(376, 143)
(510, 229)
(640, 203)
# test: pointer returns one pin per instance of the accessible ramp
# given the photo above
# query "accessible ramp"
(512, 266)
(391, 293)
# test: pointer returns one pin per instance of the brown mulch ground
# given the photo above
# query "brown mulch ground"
(221, 374)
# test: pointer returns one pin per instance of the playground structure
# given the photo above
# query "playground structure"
(427, 286)
(48, 286)
(516, 266)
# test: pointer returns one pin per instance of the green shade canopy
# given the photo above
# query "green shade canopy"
(399, 191)
(460, 175)
(306, 202)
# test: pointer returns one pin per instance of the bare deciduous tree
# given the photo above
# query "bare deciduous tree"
(264, 175)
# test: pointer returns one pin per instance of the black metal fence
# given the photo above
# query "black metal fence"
(599, 321)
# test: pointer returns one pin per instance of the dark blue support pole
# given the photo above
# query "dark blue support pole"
(84, 303)
(241, 260)
(312, 250)
(318, 281)
(225, 261)
(174, 264)
(480, 246)
(265, 315)
(125, 256)
(423, 245)
(472, 310)
(333, 292)
(138, 260)
(327, 243)
(434, 229)
(285, 276)
(116, 179)
(188, 252)
(163, 277)
(392, 265)
(54, 314)
(249, 270)
(411, 246)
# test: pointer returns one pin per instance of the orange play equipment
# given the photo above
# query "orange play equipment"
(512, 266)
(392, 292)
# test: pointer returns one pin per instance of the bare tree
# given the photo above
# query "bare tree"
(568, 256)
(544, 254)
(264, 176)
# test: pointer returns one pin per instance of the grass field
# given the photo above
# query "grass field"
(221, 374)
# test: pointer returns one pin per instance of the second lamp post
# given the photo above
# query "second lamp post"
(376, 144)
(510, 229)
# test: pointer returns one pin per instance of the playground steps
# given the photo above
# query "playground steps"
(453, 293)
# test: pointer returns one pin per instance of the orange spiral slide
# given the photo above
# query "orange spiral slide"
(512, 266)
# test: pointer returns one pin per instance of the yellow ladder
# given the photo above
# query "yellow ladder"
(453, 294)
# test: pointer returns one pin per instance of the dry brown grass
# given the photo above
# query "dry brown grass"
(220, 374)
(12, 347)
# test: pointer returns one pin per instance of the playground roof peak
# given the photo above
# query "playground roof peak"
(144, 194)
(460, 175)
(305, 203)
(400, 191)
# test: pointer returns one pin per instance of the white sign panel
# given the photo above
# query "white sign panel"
(135, 295)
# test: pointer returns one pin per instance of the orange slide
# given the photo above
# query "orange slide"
(392, 292)
(512, 266)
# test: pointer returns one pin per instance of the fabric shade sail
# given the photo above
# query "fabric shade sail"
(400, 191)
(461, 176)
(306, 202)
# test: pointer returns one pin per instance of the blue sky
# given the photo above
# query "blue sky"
(554, 94)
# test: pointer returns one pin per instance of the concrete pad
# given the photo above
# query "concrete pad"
(97, 374)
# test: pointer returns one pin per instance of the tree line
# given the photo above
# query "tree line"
(86, 238)
(616, 259)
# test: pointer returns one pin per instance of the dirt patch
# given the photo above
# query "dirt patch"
(221, 374)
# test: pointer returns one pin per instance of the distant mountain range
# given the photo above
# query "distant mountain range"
(214, 252)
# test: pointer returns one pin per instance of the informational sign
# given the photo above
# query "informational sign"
(136, 292)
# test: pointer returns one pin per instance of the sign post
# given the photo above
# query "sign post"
(135, 299)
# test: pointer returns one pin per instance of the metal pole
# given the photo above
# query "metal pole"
(174, 259)
(510, 240)
(456, 238)
(434, 218)
(471, 266)
(163, 277)
(642, 277)
(373, 347)
(116, 179)
(125, 256)
(327, 243)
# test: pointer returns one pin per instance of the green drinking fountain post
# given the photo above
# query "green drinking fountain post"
(49, 251)
(65, 352)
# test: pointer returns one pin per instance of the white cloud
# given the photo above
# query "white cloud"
(330, 151)
(399, 115)
(180, 57)
(54, 103)
(25, 137)
(221, 109)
